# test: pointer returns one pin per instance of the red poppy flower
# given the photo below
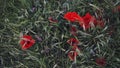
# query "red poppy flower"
(72, 16)
(73, 41)
(72, 55)
(101, 61)
(88, 20)
(26, 42)
(73, 30)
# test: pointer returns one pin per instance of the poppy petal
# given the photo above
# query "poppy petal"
(26, 42)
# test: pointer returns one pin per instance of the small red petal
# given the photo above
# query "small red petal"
(73, 41)
(72, 16)
(26, 42)
(73, 31)
(52, 20)
(101, 61)
(87, 19)
(72, 55)
(73, 28)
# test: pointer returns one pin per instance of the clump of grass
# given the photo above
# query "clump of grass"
(44, 21)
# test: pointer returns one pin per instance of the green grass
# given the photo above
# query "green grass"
(18, 17)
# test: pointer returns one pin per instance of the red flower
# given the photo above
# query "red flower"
(73, 41)
(26, 42)
(88, 20)
(73, 30)
(101, 61)
(72, 16)
(72, 55)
